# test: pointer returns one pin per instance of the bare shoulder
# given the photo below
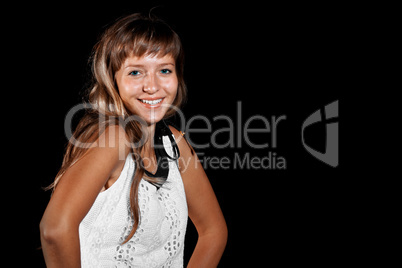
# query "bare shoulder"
(111, 146)
(113, 136)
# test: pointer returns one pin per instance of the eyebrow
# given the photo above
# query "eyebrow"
(142, 66)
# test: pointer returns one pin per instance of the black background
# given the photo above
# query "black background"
(276, 59)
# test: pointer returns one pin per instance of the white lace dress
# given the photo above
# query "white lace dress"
(159, 239)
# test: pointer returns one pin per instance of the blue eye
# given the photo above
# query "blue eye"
(134, 73)
(166, 71)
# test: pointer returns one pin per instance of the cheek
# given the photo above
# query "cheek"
(128, 90)
(171, 88)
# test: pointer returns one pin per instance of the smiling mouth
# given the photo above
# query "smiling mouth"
(151, 102)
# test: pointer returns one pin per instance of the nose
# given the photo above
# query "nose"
(151, 85)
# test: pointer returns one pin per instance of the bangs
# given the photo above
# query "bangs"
(142, 38)
(155, 41)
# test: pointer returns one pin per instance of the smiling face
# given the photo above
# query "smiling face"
(148, 85)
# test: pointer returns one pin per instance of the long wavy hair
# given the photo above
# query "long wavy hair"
(132, 35)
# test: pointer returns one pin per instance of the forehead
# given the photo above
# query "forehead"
(149, 60)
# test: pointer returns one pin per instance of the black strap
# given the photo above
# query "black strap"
(162, 157)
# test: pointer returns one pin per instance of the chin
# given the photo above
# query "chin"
(150, 114)
(151, 117)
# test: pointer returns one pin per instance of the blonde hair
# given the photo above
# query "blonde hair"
(133, 35)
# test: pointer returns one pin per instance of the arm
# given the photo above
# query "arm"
(203, 209)
(74, 196)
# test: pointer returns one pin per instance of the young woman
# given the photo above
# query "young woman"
(129, 181)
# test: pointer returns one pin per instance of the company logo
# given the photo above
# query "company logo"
(330, 114)
(231, 132)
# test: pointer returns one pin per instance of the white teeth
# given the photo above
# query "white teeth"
(152, 102)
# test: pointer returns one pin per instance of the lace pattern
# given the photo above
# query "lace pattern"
(159, 239)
